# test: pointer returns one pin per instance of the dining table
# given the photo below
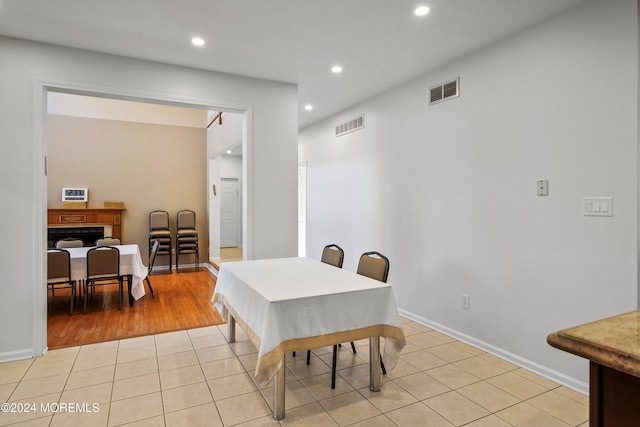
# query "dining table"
(131, 266)
(299, 303)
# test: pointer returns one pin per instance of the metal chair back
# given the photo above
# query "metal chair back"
(58, 266)
(158, 220)
(333, 254)
(69, 242)
(186, 220)
(108, 241)
(103, 262)
(374, 265)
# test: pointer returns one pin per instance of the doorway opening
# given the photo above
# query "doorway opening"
(226, 182)
(42, 120)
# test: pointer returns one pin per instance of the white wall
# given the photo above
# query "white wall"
(272, 108)
(448, 192)
(231, 167)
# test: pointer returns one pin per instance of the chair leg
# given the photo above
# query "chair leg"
(86, 296)
(149, 284)
(353, 347)
(73, 297)
(308, 356)
(120, 293)
(384, 371)
(333, 367)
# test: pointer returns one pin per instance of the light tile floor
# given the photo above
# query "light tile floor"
(193, 378)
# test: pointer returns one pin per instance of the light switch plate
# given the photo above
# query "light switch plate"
(543, 187)
(597, 206)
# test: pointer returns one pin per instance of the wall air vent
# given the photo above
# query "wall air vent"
(350, 126)
(444, 91)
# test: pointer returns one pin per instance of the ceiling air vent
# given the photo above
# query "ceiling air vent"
(444, 91)
(350, 126)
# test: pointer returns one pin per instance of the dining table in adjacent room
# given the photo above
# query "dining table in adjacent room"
(290, 304)
(131, 266)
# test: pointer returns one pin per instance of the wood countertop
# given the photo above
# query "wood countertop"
(613, 342)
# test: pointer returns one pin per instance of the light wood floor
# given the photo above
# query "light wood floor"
(227, 254)
(231, 254)
(182, 301)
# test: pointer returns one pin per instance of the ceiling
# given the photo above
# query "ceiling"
(379, 43)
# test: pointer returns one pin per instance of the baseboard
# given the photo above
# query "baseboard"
(206, 265)
(10, 356)
(211, 269)
(188, 266)
(558, 377)
(182, 267)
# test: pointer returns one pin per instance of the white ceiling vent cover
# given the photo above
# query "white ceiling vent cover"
(444, 91)
(350, 126)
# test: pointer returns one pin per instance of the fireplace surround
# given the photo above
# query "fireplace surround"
(86, 224)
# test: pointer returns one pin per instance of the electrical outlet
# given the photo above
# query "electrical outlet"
(465, 301)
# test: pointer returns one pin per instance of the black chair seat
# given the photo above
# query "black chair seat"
(187, 232)
(160, 233)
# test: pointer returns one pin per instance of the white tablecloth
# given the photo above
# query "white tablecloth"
(130, 264)
(298, 303)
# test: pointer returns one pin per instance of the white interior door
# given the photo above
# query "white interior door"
(229, 213)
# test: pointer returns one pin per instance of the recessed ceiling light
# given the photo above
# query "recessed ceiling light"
(308, 107)
(421, 11)
(197, 41)
(336, 69)
(228, 151)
